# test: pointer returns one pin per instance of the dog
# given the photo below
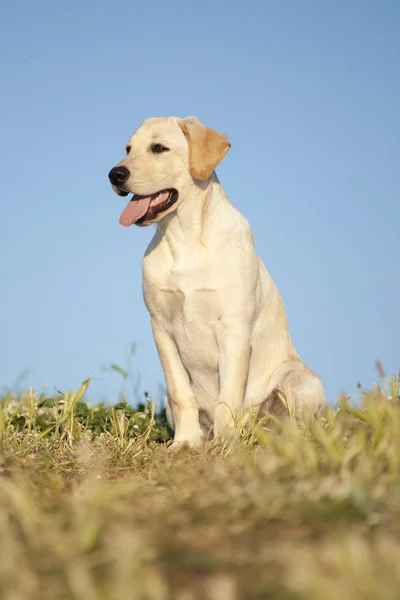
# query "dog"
(218, 320)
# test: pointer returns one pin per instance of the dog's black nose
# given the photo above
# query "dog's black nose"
(118, 175)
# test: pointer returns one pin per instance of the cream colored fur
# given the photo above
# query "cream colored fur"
(218, 320)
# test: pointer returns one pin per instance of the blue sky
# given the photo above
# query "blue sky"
(308, 93)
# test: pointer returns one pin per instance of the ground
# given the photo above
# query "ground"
(93, 505)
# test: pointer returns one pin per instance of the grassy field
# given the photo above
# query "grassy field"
(93, 506)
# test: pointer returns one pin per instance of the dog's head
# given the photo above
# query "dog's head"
(164, 157)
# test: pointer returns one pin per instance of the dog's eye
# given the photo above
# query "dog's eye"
(128, 149)
(158, 148)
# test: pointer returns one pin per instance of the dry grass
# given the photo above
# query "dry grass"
(94, 510)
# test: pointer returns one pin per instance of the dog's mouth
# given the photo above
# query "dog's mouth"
(145, 208)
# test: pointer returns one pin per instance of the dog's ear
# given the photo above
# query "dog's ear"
(207, 147)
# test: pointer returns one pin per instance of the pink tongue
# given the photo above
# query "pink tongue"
(135, 210)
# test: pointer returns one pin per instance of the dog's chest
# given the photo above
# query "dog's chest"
(182, 291)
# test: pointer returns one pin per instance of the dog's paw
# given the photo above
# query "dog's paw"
(224, 423)
(189, 444)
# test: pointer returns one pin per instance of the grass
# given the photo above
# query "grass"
(93, 506)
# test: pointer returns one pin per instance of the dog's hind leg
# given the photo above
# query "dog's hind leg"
(295, 390)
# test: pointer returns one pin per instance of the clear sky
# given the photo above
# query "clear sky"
(309, 94)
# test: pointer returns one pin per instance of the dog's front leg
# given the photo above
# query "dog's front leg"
(234, 358)
(184, 407)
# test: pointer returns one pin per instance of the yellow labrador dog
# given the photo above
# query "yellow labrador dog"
(218, 320)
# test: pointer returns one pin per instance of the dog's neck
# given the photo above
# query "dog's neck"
(192, 220)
